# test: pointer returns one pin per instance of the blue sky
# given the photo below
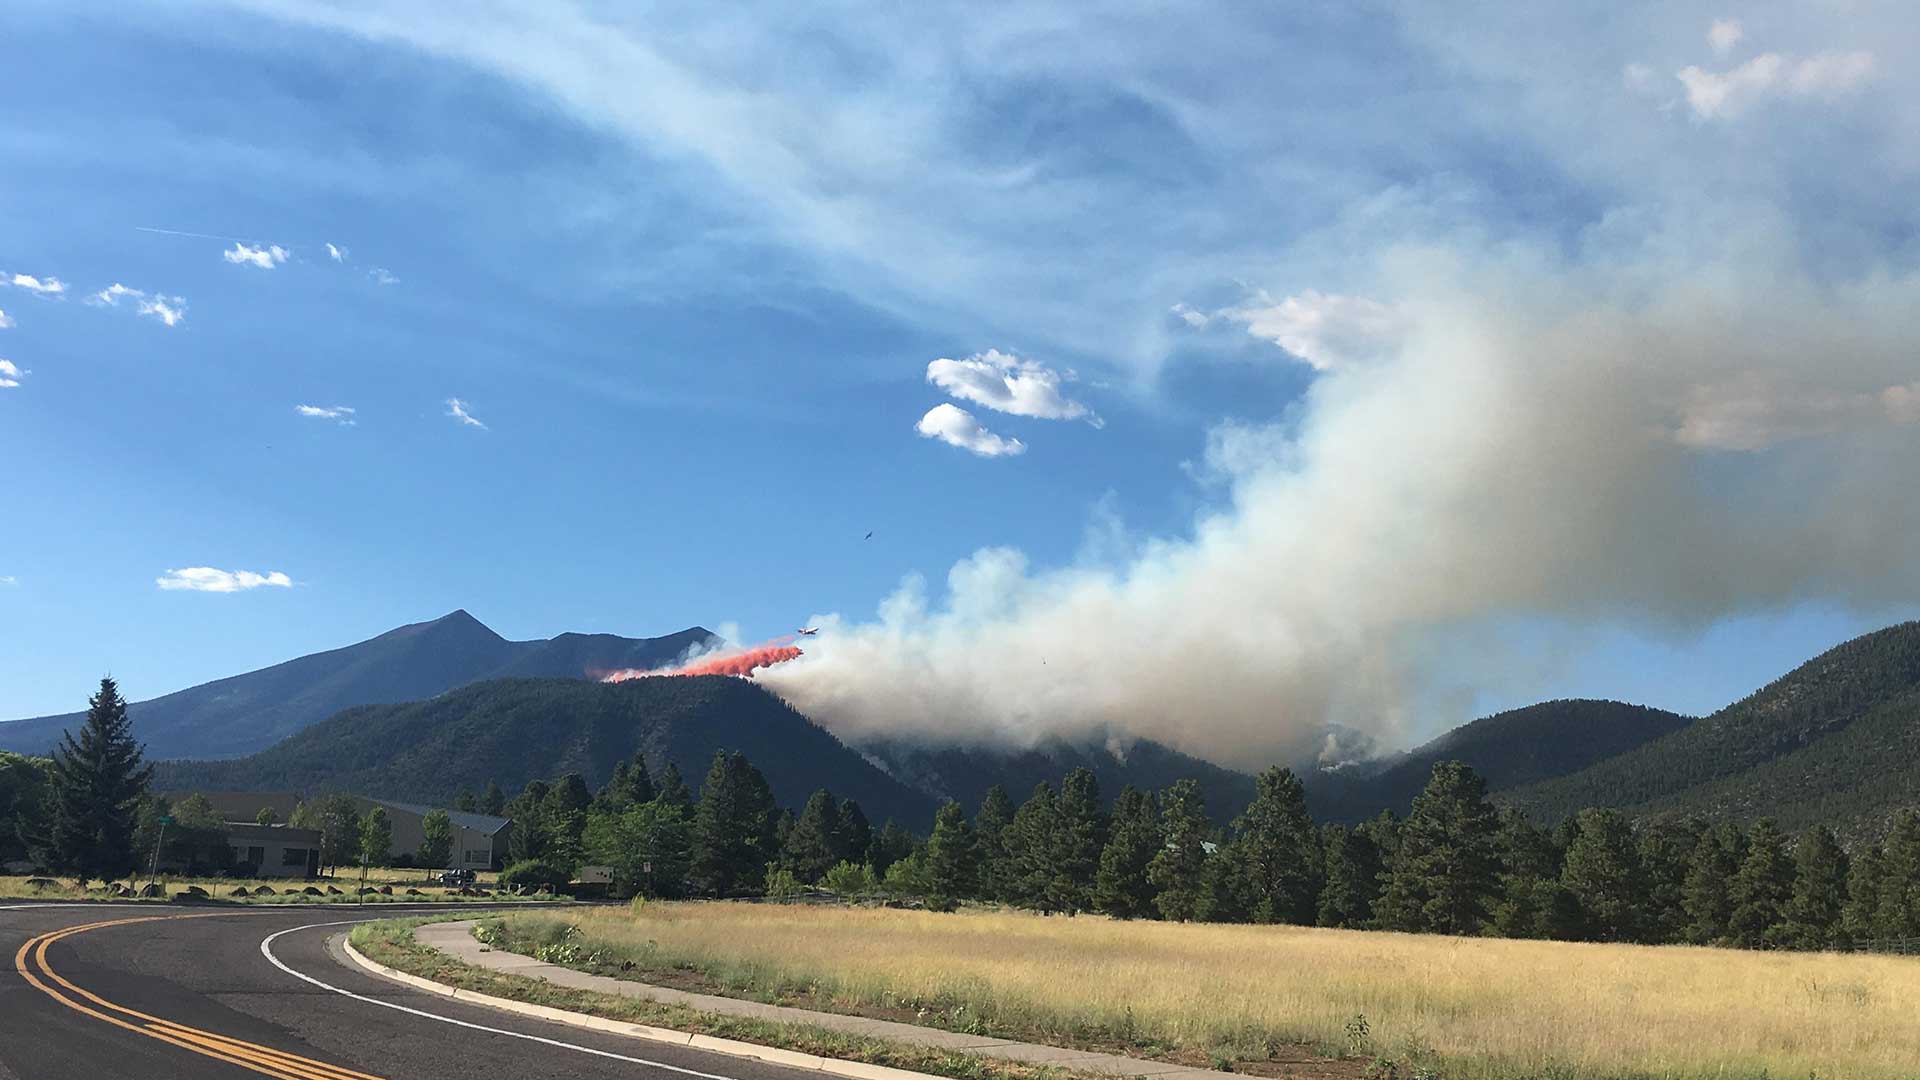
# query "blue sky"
(689, 274)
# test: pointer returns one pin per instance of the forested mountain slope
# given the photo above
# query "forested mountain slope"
(238, 715)
(510, 731)
(1829, 732)
(965, 774)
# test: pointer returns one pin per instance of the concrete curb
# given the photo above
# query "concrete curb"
(857, 1070)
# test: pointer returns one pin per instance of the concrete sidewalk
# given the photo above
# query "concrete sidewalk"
(456, 940)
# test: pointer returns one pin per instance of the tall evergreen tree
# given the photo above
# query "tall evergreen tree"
(731, 827)
(1708, 896)
(891, 844)
(813, 846)
(1665, 851)
(1178, 870)
(94, 788)
(1352, 878)
(673, 789)
(990, 827)
(1121, 888)
(1446, 875)
(564, 812)
(1280, 851)
(1078, 838)
(493, 801)
(1865, 882)
(629, 786)
(855, 835)
(1899, 907)
(1031, 849)
(1532, 903)
(1814, 918)
(952, 868)
(1603, 875)
(1762, 887)
(532, 835)
(466, 802)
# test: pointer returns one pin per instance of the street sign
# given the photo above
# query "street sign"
(166, 819)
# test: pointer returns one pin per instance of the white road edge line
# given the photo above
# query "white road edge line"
(266, 950)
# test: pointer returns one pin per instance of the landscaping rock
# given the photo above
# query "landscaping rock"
(42, 883)
(239, 890)
(192, 892)
(365, 890)
(331, 891)
(385, 890)
(311, 891)
(149, 891)
(415, 892)
(264, 890)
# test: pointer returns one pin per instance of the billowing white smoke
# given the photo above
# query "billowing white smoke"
(1536, 444)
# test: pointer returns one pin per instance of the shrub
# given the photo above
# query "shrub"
(849, 879)
(534, 872)
(781, 884)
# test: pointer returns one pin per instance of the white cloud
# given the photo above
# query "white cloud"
(9, 581)
(10, 375)
(1008, 384)
(208, 579)
(337, 254)
(1326, 330)
(957, 427)
(1195, 319)
(380, 276)
(266, 258)
(170, 310)
(44, 286)
(6, 321)
(1723, 35)
(1827, 75)
(341, 413)
(457, 409)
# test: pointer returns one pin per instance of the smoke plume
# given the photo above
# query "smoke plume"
(1535, 446)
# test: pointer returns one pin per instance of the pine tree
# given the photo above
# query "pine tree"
(1078, 838)
(1602, 873)
(1665, 848)
(990, 827)
(564, 812)
(1529, 879)
(1707, 897)
(813, 846)
(673, 790)
(532, 836)
(1178, 869)
(891, 844)
(94, 787)
(493, 802)
(1762, 887)
(855, 835)
(1352, 878)
(1031, 849)
(1899, 907)
(629, 786)
(466, 802)
(1865, 882)
(1446, 874)
(1227, 885)
(1121, 888)
(1815, 916)
(952, 866)
(1279, 849)
(731, 827)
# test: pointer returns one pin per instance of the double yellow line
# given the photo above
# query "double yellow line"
(31, 961)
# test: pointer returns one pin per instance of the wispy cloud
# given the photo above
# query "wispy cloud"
(1326, 330)
(51, 286)
(266, 258)
(457, 409)
(337, 254)
(171, 310)
(380, 276)
(9, 581)
(10, 375)
(6, 321)
(1717, 95)
(208, 579)
(1723, 35)
(956, 426)
(1008, 384)
(340, 413)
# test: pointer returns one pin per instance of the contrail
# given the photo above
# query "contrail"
(197, 235)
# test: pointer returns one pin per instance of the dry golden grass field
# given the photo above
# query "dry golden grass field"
(1461, 1007)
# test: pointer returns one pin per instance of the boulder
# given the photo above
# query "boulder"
(385, 890)
(365, 890)
(311, 891)
(239, 890)
(149, 891)
(42, 883)
(331, 891)
(415, 892)
(264, 890)
(191, 892)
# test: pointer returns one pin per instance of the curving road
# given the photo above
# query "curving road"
(105, 992)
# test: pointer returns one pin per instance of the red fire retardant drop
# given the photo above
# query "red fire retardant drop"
(742, 663)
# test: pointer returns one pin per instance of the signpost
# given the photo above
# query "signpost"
(153, 868)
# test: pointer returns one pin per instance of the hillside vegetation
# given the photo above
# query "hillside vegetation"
(235, 716)
(1831, 741)
(510, 731)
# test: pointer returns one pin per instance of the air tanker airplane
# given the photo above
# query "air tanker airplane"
(808, 632)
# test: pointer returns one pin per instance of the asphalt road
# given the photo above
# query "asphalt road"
(168, 997)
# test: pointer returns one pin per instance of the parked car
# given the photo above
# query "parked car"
(457, 879)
